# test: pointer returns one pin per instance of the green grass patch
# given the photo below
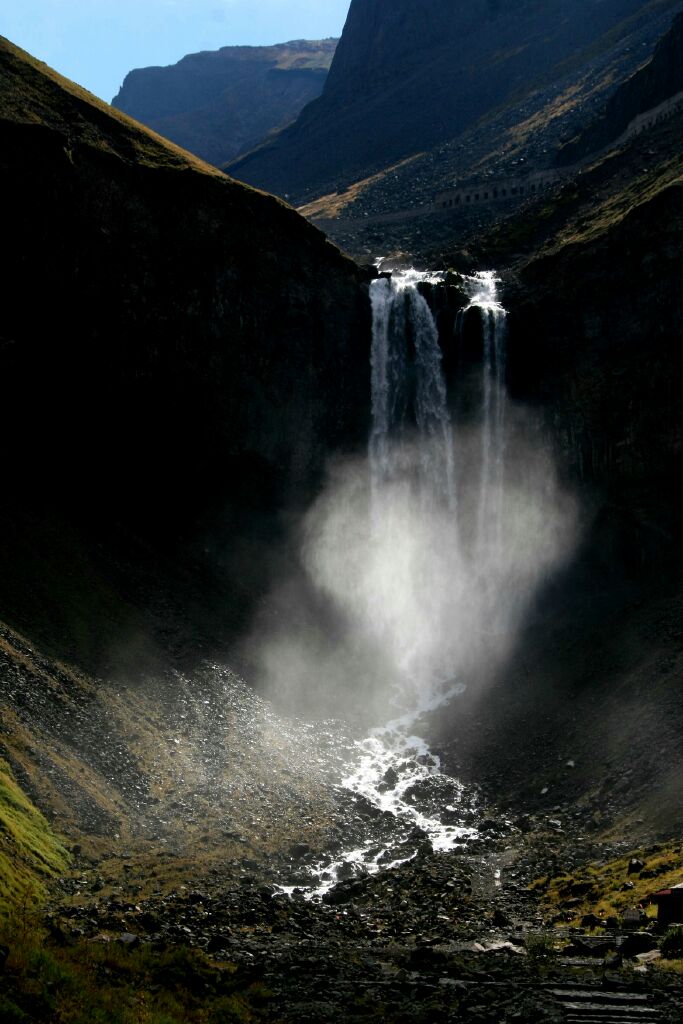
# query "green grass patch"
(30, 852)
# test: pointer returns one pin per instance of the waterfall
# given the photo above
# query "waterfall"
(407, 380)
(482, 290)
(431, 590)
(408, 386)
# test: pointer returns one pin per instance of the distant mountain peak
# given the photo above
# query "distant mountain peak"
(219, 103)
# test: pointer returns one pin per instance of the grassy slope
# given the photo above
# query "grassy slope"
(30, 852)
(87, 983)
(88, 117)
(608, 889)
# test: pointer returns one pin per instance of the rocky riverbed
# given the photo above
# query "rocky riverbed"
(450, 936)
(267, 844)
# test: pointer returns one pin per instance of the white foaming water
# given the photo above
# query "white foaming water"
(395, 773)
(408, 386)
(393, 761)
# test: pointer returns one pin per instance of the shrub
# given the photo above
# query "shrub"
(672, 946)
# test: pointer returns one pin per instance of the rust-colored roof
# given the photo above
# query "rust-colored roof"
(676, 889)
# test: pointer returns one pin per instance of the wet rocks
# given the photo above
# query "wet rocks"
(433, 939)
(638, 942)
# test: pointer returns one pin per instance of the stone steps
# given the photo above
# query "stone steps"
(597, 1006)
(620, 1018)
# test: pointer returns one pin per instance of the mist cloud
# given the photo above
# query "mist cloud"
(398, 594)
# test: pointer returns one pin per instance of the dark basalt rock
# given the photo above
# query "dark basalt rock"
(638, 942)
(178, 353)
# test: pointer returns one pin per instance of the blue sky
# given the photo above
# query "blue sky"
(95, 42)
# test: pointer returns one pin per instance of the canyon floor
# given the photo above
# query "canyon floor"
(172, 907)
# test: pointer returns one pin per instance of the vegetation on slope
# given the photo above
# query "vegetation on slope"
(81, 113)
(608, 889)
(51, 980)
(30, 852)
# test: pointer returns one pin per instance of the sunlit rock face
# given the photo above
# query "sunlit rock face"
(220, 103)
(408, 76)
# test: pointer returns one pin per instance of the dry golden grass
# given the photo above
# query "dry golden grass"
(607, 896)
(329, 207)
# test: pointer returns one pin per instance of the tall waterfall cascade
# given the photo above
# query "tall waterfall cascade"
(407, 378)
(403, 321)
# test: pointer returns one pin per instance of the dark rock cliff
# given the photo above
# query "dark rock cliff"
(592, 285)
(178, 356)
(406, 77)
(657, 81)
(220, 103)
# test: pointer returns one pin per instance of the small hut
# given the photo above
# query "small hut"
(632, 918)
(669, 905)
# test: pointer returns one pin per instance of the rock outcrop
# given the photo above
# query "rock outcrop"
(220, 103)
(178, 356)
(659, 80)
(407, 77)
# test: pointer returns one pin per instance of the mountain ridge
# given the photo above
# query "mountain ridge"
(373, 112)
(218, 103)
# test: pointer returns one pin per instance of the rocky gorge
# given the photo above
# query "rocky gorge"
(190, 376)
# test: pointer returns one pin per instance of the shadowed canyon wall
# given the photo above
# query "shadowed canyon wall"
(178, 353)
